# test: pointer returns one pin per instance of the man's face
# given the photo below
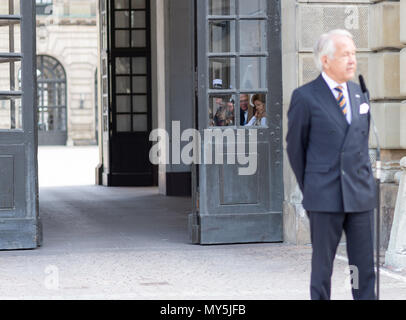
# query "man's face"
(244, 102)
(343, 66)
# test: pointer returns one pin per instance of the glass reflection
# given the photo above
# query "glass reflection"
(222, 7)
(253, 73)
(221, 111)
(222, 73)
(252, 7)
(253, 36)
(222, 36)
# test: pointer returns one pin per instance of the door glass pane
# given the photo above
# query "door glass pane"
(138, 4)
(259, 116)
(253, 73)
(121, 4)
(140, 123)
(222, 7)
(252, 7)
(7, 43)
(9, 75)
(60, 119)
(122, 38)
(138, 38)
(222, 73)
(123, 123)
(123, 104)
(140, 104)
(221, 110)
(6, 10)
(51, 121)
(122, 19)
(139, 65)
(122, 65)
(222, 36)
(10, 114)
(253, 36)
(123, 85)
(138, 19)
(139, 84)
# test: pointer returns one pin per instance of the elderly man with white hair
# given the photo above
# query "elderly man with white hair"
(327, 146)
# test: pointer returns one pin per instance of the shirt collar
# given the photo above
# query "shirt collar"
(331, 83)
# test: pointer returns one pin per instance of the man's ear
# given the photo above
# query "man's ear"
(325, 61)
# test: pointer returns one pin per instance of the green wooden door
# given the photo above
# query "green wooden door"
(19, 220)
(238, 70)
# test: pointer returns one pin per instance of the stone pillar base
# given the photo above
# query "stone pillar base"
(395, 259)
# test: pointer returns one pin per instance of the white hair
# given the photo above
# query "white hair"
(325, 45)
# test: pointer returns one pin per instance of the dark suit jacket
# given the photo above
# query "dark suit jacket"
(250, 115)
(328, 156)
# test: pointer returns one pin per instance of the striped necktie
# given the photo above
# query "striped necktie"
(341, 99)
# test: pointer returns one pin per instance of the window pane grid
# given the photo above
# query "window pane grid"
(130, 24)
(131, 112)
(250, 55)
(131, 73)
(10, 64)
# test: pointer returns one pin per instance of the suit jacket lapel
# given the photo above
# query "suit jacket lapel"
(354, 100)
(328, 101)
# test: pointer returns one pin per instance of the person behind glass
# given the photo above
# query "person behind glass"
(225, 113)
(246, 111)
(259, 119)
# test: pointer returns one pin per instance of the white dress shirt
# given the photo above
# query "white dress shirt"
(254, 119)
(332, 84)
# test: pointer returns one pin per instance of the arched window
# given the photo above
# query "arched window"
(51, 79)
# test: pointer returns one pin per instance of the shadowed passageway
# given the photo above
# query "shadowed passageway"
(99, 217)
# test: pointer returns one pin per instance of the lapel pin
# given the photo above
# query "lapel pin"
(357, 96)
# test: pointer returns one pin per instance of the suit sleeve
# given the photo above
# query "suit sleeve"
(297, 136)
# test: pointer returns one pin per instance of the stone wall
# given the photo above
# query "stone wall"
(380, 36)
